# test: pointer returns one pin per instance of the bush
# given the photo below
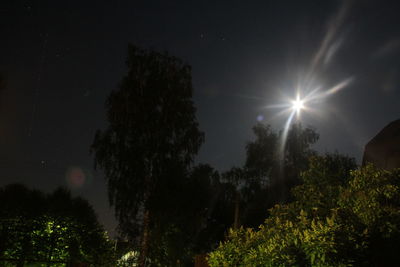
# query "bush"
(339, 218)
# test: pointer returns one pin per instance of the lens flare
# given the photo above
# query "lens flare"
(77, 177)
(305, 102)
(297, 105)
(310, 91)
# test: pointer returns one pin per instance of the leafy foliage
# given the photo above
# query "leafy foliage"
(340, 217)
(322, 182)
(50, 228)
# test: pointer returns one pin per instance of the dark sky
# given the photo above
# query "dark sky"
(62, 59)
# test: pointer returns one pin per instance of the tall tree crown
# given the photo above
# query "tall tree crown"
(152, 129)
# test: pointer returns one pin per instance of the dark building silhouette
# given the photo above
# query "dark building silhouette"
(384, 149)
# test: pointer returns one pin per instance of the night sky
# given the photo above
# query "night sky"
(62, 59)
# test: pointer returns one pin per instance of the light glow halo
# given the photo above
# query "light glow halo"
(298, 104)
(307, 97)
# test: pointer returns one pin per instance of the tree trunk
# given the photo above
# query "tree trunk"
(236, 218)
(144, 244)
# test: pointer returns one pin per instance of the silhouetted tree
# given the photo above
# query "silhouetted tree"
(182, 216)
(261, 154)
(218, 205)
(296, 157)
(269, 172)
(152, 128)
(238, 178)
(277, 167)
